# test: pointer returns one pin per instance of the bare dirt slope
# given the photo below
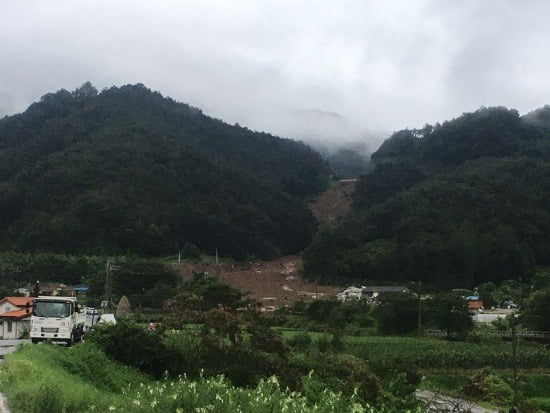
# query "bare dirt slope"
(272, 283)
(278, 283)
(335, 203)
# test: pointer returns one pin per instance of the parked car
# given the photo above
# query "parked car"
(107, 319)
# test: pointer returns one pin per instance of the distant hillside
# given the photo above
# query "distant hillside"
(129, 171)
(456, 204)
(347, 164)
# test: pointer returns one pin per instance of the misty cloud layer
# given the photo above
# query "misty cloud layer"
(288, 67)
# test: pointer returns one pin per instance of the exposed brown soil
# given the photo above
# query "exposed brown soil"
(278, 283)
(335, 203)
(274, 284)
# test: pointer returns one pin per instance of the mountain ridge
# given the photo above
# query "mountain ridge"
(127, 170)
(458, 204)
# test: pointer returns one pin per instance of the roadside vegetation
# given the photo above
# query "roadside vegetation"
(319, 356)
(45, 379)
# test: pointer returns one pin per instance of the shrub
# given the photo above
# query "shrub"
(133, 345)
(346, 374)
(301, 342)
(487, 385)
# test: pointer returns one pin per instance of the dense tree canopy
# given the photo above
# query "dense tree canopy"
(127, 170)
(457, 204)
(534, 314)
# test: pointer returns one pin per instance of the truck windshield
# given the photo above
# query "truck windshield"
(51, 309)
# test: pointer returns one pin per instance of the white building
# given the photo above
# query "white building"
(15, 317)
(350, 293)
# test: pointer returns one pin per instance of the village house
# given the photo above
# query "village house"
(15, 317)
(474, 302)
(350, 294)
(53, 288)
(368, 293)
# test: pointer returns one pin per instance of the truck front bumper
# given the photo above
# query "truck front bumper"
(45, 333)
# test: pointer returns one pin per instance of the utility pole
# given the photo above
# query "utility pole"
(108, 285)
(419, 308)
(217, 265)
(109, 268)
(514, 354)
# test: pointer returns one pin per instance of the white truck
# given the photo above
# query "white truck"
(57, 319)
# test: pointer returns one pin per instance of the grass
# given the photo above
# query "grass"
(46, 378)
(35, 380)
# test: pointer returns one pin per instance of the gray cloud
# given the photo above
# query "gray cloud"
(271, 64)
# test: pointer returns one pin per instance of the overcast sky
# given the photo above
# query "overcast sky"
(279, 65)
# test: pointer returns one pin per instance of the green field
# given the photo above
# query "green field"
(429, 353)
(434, 353)
(446, 366)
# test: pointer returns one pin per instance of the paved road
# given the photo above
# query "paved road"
(442, 403)
(3, 404)
(7, 346)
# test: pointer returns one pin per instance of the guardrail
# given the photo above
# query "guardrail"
(505, 334)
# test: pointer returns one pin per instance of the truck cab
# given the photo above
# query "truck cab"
(56, 319)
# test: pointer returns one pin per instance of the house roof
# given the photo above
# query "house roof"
(18, 314)
(50, 285)
(385, 289)
(352, 288)
(17, 301)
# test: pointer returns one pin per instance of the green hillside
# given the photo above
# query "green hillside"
(129, 171)
(456, 204)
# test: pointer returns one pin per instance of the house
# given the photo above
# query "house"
(474, 303)
(368, 293)
(53, 288)
(375, 291)
(350, 293)
(15, 317)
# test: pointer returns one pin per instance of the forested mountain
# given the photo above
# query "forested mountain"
(129, 171)
(455, 204)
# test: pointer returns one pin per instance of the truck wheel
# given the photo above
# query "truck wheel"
(70, 341)
(35, 340)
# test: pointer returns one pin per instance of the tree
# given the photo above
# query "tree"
(534, 314)
(397, 314)
(485, 292)
(450, 313)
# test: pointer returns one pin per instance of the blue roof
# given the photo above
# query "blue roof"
(81, 287)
